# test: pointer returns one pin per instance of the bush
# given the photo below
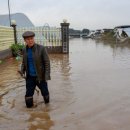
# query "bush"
(17, 49)
(108, 36)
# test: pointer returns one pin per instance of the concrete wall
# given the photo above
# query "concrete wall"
(5, 54)
(51, 50)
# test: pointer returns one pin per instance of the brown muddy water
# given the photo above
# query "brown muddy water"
(90, 90)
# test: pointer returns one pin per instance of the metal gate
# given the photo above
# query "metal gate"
(47, 36)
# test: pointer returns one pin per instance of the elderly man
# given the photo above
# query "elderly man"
(36, 65)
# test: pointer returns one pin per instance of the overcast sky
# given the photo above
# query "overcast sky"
(91, 14)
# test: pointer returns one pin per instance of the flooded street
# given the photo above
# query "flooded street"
(90, 90)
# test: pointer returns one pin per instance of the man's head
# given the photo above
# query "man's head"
(29, 38)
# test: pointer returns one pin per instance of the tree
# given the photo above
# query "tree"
(86, 31)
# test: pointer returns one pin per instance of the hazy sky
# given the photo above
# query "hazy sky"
(92, 14)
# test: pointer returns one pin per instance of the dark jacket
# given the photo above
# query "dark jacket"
(41, 62)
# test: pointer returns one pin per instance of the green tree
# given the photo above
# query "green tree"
(85, 31)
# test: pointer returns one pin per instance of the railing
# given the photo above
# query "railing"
(6, 37)
(47, 36)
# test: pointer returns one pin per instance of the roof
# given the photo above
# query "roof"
(123, 26)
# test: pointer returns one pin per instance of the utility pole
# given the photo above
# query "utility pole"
(9, 12)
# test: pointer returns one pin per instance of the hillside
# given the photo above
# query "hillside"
(21, 19)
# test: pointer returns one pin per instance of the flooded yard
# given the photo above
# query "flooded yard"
(90, 90)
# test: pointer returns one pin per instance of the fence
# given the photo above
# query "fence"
(56, 40)
(6, 37)
(47, 36)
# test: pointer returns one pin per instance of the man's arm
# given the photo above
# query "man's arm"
(21, 69)
(46, 64)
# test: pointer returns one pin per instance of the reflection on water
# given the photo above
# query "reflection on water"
(40, 120)
(89, 90)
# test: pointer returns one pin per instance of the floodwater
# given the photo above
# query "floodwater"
(90, 90)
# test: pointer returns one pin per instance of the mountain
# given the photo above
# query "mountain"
(21, 20)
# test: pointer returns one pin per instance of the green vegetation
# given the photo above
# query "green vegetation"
(87, 31)
(108, 36)
(0, 61)
(17, 49)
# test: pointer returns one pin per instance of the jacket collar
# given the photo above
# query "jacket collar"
(33, 47)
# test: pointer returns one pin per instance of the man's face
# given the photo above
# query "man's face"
(29, 41)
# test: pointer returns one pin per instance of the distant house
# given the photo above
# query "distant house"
(122, 32)
(107, 30)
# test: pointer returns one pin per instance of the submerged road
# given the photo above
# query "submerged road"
(90, 90)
